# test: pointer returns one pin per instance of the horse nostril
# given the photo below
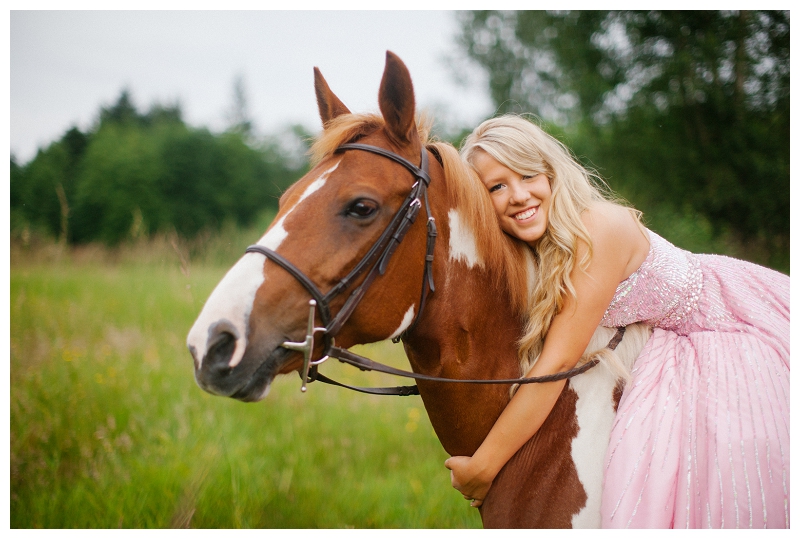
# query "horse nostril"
(220, 351)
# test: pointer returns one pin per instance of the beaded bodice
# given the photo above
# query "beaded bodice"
(663, 292)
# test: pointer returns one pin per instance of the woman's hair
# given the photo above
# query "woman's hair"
(526, 149)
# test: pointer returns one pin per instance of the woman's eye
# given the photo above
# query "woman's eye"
(362, 209)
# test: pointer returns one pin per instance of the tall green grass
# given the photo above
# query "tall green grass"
(108, 428)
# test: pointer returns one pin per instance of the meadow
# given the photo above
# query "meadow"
(108, 428)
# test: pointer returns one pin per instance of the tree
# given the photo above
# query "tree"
(684, 109)
(135, 174)
(42, 191)
(239, 114)
(118, 182)
(122, 112)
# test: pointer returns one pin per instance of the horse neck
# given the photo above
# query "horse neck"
(468, 330)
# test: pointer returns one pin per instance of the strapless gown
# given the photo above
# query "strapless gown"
(701, 436)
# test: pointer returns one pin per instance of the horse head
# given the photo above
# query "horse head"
(327, 222)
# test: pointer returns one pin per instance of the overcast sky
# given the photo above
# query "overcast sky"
(65, 64)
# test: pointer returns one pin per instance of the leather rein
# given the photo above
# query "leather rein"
(376, 261)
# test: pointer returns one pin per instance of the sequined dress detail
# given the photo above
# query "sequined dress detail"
(701, 436)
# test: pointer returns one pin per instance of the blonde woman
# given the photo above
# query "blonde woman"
(701, 437)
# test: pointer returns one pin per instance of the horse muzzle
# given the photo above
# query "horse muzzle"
(248, 379)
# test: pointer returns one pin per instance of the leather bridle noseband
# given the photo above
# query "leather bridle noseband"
(378, 258)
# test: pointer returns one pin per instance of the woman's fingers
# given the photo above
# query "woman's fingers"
(457, 465)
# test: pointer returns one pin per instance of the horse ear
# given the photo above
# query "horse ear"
(396, 100)
(329, 105)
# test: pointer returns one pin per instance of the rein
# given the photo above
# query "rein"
(378, 256)
(365, 364)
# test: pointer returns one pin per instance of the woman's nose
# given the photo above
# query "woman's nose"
(518, 193)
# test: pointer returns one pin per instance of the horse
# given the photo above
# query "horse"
(454, 291)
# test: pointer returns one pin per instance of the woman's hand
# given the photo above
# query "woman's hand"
(468, 477)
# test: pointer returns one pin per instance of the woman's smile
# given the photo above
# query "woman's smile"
(526, 214)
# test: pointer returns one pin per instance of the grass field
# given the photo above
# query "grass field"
(108, 429)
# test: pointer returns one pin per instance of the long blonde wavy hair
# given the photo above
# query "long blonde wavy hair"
(525, 148)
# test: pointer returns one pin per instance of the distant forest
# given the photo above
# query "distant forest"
(134, 174)
(685, 114)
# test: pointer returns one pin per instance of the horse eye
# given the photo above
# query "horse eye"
(362, 209)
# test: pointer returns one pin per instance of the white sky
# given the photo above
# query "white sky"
(65, 65)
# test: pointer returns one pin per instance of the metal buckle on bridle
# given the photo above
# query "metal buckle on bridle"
(307, 346)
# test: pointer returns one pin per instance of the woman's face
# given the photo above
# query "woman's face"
(522, 203)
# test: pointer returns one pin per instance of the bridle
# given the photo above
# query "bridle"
(375, 263)
(376, 259)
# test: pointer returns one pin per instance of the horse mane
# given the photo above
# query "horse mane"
(508, 261)
(341, 130)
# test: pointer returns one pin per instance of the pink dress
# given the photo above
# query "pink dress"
(701, 436)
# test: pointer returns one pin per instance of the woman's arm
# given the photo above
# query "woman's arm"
(616, 240)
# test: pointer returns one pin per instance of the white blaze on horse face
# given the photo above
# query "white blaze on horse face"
(407, 319)
(462, 241)
(232, 299)
(276, 233)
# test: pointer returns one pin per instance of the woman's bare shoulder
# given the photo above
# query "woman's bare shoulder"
(615, 229)
(602, 218)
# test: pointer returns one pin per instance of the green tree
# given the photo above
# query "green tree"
(686, 110)
(117, 195)
(16, 198)
(40, 190)
(123, 112)
(239, 114)
(135, 174)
